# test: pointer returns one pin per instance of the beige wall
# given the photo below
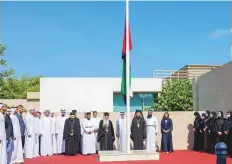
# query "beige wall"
(182, 123)
(213, 90)
(27, 103)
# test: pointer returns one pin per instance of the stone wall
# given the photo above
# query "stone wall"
(213, 91)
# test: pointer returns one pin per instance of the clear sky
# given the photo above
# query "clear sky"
(84, 39)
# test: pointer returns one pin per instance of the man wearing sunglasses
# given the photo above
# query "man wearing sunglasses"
(121, 132)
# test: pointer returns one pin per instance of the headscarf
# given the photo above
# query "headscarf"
(204, 115)
(46, 112)
(2, 105)
(198, 115)
(222, 116)
(63, 111)
(230, 113)
(13, 109)
(31, 109)
(120, 116)
(120, 120)
(208, 113)
(214, 115)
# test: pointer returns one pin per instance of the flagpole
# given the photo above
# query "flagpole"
(231, 44)
(127, 77)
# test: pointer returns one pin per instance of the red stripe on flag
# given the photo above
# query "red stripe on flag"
(124, 41)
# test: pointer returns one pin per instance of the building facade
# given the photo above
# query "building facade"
(100, 94)
(190, 71)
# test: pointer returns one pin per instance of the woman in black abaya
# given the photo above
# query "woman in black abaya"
(198, 135)
(211, 130)
(219, 127)
(228, 132)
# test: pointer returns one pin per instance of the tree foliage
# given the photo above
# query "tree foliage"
(176, 95)
(12, 87)
(4, 71)
(17, 88)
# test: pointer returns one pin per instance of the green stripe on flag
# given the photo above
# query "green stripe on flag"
(123, 82)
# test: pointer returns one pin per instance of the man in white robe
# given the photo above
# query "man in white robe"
(46, 137)
(17, 153)
(19, 115)
(2, 135)
(152, 131)
(60, 121)
(97, 120)
(121, 132)
(89, 138)
(9, 136)
(54, 136)
(37, 133)
(30, 123)
(82, 131)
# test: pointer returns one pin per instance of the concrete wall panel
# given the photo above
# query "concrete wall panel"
(214, 89)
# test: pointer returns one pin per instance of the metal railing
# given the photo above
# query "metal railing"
(179, 74)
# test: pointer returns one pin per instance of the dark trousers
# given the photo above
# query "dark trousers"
(39, 145)
(23, 141)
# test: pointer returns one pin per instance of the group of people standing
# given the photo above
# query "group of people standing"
(211, 128)
(31, 135)
(98, 134)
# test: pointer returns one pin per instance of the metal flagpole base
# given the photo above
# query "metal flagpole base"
(134, 155)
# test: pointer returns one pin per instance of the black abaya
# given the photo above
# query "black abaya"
(212, 135)
(198, 136)
(206, 135)
(228, 129)
(219, 127)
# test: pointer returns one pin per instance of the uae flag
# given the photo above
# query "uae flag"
(124, 71)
